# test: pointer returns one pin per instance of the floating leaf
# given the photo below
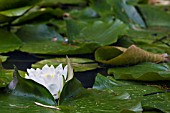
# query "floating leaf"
(100, 32)
(3, 58)
(11, 103)
(114, 99)
(40, 33)
(102, 82)
(5, 77)
(144, 72)
(29, 89)
(15, 12)
(126, 12)
(133, 13)
(71, 89)
(12, 4)
(38, 15)
(42, 39)
(122, 56)
(152, 39)
(99, 101)
(89, 102)
(136, 90)
(58, 48)
(4, 19)
(97, 4)
(9, 41)
(79, 64)
(10, 10)
(155, 16)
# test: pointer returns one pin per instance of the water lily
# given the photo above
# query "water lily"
(50, 77)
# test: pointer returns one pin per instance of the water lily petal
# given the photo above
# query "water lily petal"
(59, 69)
(54, 89)
(45, 70)
(65, 72)
(31, 71)
(52, 70)
(51, 78)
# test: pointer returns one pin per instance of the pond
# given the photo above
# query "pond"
(119, 51)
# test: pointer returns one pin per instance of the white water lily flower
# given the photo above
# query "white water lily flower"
(51, 78)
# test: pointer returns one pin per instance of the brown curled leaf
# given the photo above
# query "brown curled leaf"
(119, 56)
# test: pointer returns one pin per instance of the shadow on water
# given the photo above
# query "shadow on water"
(20, 59)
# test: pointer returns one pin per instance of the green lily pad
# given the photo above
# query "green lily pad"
(5, 19)
(11, 9)
(41, 39)
(38, 15)
(58, 48)
(155, 48)
(128, 97)
(3, 58)
(102, 83)
(100, 32)
(21, 104)
(38, 33)
(97, 4)
(5, 77)
(102, 101)
(144, 72)
(12, 4)
(84, 14)
(15, 12)
(9, 41)
(71, 90)
(152, 40)
(8, 16)
(79, 64)
(137, 90)
(92, 100)
(119, 56)
(154, 16)
(132, 13)
(125, 12)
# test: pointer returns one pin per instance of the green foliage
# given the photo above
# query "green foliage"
(5, 77)
(12, 4)
(44, 14)
(9, 41)
(128, 38)
(100, 32)
(71, 90)
(144, 72)
(15, 12)
(3, 58)
(152, 16)
(102, 82)
(137, 90)
(126, 13)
